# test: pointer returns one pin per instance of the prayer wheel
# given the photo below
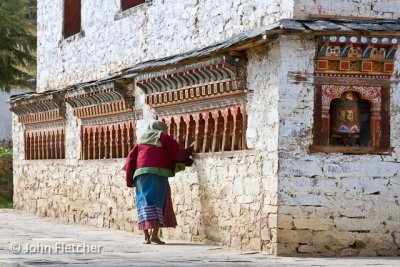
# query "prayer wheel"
(346, 114)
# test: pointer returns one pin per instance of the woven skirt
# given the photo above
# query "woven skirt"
(153, 202)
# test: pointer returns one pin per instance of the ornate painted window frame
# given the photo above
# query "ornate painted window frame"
(361, 64)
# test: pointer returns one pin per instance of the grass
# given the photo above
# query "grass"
(5, 151)
(6, 205)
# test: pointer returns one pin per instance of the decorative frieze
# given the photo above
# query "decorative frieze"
(360, 56)
(43, 120)
(34, 108)
(108, 98)
(108, 119)
(216, 78)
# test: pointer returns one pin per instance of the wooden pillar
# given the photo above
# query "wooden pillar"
(182, 132)
(27, 146)
(113, 142)
(107, 143)
(119, 141)
(218, 132)
(131, 136)
(62, 146)
(191, 132)
(200, 134)
(209, 134)
(84, 137)
(125, 140)
(47, 144)
(56, 144)
(102, 139)
(228, 132)
(53, 144)
(50, 144)
(96, 143)
(325, 122)
(376, 132)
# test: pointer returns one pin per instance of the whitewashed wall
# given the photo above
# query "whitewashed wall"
(113, 40)
(388, 9)
(332, 204)
(165, 28)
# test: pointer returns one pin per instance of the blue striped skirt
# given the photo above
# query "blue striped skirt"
(151, 193)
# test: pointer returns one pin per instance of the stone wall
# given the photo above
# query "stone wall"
(387, 9)
(226, 198)
(331, 204)
(112, 40)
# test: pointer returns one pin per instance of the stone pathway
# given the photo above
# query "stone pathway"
(44, 242)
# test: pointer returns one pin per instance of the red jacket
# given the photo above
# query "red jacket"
(165, 157)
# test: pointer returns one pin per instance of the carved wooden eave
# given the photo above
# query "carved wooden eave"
(204, 82)
(32, 108)
(100, 99)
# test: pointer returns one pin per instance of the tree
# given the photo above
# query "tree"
(17, 42)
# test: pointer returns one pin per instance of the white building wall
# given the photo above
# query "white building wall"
(387, 9)
(164, 28)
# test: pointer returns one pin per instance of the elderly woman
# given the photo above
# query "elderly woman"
(148, 167)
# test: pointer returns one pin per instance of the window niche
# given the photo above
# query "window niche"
(72, 17)
(126, 4)
(45, 144)
(351, 119)
(43, 119)
(107, 141)
(108, 118)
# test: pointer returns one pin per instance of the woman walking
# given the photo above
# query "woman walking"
(148, 167)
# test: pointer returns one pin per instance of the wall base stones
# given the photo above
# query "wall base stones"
(214, 201)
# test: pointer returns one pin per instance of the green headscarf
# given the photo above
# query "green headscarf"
(152, 134)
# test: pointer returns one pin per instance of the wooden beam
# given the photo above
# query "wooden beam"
(350, 150)
(354, 18)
